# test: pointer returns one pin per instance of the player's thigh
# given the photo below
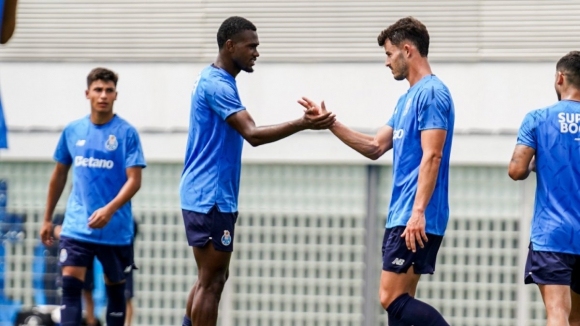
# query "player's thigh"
(212, 264)
(556, 298)
(394, 285)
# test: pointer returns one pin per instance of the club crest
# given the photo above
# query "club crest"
(226, 238)
(63, 255)
(111, 143)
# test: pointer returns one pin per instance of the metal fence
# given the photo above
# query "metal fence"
(308, 246)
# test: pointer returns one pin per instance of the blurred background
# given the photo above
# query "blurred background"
(312, 211)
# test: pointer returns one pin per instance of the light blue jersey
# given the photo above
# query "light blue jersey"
(555, 135)
(211, 175)
(427, 105)
(3, 129)
(99, 155)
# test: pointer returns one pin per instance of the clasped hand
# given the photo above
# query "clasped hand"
(316, 116)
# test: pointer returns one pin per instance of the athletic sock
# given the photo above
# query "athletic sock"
(116, 304)
(406, 310)
(71, 309)
(186, 321)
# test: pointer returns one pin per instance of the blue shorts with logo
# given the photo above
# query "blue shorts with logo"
(215, 226)
(552, 268)
(117, 261)
(398, 259)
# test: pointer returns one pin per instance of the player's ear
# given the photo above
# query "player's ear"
(559, 78)
(407, 50)
(230, 45)
(87, 93)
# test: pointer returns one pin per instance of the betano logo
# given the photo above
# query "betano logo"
(92, 162)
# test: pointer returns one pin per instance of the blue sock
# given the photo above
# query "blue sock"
(116, 305)
(186, 321)
(406, 310)
(71, 309)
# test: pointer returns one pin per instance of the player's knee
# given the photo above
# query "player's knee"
(386, 298)
(215, 285)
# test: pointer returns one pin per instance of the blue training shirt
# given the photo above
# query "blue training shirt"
(211, 175)
(554, 133)
(99, 155)
(3, 129)
(427, 105)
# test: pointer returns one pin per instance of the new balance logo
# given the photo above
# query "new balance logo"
(116, 314)
(81, 142)
(398, 261)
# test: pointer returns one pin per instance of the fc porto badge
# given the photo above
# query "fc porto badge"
(63, 255)
(111, 143)
(226, 238)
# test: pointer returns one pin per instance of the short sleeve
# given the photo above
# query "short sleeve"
(527, 132)
(433, 109)
(134, 151)
(223, 98)
(62, 153)
(391, 122)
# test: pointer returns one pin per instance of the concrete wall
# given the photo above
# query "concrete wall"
(491, 100)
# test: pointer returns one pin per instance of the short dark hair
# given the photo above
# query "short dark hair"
(103, 74)
(409, 29)
(569, 65)
(232, 26)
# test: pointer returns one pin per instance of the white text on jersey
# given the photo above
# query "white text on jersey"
(92, 162)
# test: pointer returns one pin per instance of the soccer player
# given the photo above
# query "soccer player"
(107, 159)
(8, 24)
(420, 132)
(219, 123)
(548, 143)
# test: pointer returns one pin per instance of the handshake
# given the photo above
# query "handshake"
(316, 116)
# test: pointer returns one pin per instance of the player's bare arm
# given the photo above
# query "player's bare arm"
(522, 162)
(8, 21)
(432, 142)
(103, 215)
(243, 122)
(55, 189)
(369, 146)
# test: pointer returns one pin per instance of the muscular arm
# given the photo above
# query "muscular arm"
(102, 216)
(369, 146)
(522, 162)
(432, 142)
(372, 147)
(55, 188)
(242, 121)
(8, 21)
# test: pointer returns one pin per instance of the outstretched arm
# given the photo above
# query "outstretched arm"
(523, 162)
(102, 216)
(242, 121)
(55, 188)
(372, 147)
(8, 21)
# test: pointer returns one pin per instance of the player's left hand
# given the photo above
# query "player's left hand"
(316, 116)
(100, 218)
(415, 231)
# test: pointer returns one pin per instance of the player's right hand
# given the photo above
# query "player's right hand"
(46, 233)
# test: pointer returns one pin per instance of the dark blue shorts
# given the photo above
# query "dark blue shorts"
(552, 268)
(117, 261)
(398, 259)
(215, 226)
